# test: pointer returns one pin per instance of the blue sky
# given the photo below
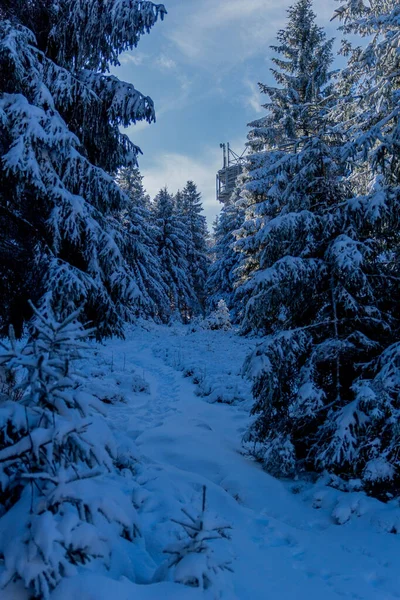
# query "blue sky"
(201, 66)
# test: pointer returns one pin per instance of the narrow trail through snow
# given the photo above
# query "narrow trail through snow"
(283, 547)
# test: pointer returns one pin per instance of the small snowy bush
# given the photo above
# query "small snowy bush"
(219, 318)
(212, 361)
(57, 510)
(139, 384)
(194, 559)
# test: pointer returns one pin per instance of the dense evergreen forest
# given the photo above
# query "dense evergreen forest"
(303, 261)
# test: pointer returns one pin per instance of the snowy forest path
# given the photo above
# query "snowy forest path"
(283, 547)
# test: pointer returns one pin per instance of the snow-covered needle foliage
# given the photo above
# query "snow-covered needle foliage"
(195, 561)
(141, 234)
(60, 114)
(57, 510)
(173, 255)
(321, 273)
(195, 225)
(219, 318)
(292, 161)
(222, 274)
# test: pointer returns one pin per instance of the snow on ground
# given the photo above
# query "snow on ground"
(287, 540)
(212, 359)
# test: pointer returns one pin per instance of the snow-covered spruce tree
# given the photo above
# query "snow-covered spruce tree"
(196, 240)
(178, 201)
(130, 180)
(195, 560)
(172, 252)
(222, 274)
(364, 433)
(302, 74)
(323, 293)
(308, 296)
(260, 202)
(304, 57)
(367, 428)
(60, 115)
(141, 236)
(219, 318)
(58, 510)
(294, 114)
(293, 188)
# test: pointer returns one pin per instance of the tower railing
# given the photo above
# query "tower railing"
(231, 169)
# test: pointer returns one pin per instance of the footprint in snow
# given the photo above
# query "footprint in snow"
(201, 424)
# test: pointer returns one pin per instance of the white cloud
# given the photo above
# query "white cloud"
(165, 63)
(222, 31)
(254, 98)
(225, 32)
(134, 59)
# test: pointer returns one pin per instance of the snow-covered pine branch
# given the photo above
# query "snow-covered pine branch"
(60, 114)
(222, 273)
(172, 240)
(141, 234)
(57, 509)
(199, 560)
(196, 240)
(319, 260)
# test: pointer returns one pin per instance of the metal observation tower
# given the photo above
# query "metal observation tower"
(227, 176)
